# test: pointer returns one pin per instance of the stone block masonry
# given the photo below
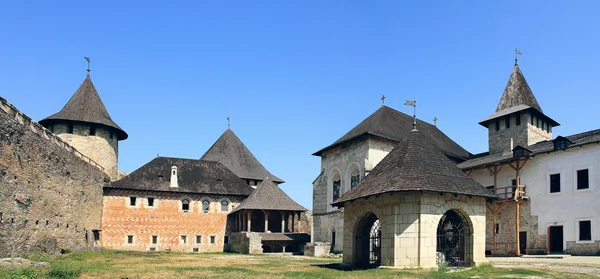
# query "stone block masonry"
(50, 195)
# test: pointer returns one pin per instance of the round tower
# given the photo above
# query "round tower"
(85, 124)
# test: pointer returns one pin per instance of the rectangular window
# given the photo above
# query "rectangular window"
(498, 124)
(507, 122)
(585, 230)
(198, 239)
(497, 228)
(583, 181)
(555, 183)
(132, 201)
(212, 239)
(92, 130)
(518, 119)
(183, 239)
(70, 129)
(130, 239)
(150, 202)
(537, 122)
(226, 239)
(111, 135)
(154, 239)
(195, 250)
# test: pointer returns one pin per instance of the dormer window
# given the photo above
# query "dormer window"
(521, 152)
(174, 182)
(561, 143)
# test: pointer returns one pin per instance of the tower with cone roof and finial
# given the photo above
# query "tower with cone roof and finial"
(85, 124)
(519, 119)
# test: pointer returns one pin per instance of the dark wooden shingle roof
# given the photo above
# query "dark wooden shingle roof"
(268, 196)
(393, 125)
(230, 151)
(416, 164)
(85, 106)
(517, 92)
(193, 176)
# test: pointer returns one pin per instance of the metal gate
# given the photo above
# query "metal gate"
(453, 235)
(375, 245)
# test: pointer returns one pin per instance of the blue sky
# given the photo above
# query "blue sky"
(294, 76)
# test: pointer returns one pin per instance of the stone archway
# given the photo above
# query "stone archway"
(367, 248)
(454, 239)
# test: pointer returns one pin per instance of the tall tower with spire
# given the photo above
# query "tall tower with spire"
(85, 124)
(519, 119)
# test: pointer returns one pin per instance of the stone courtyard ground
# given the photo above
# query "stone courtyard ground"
(121, 264)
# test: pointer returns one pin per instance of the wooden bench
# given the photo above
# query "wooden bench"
(537, 251)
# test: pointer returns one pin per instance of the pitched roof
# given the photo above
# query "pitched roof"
(517, 92)
(485, 159)
(85, 106)
(393, 125)
(268, 196)
(416, 164)
(193, 176)
(230, 151)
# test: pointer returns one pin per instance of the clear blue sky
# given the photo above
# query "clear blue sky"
(294, 76)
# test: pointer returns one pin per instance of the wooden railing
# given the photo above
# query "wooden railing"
(508, 192)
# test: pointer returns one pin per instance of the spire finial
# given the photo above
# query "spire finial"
(382, 100)
(228, 123)
(89, 61)
(435, 119)
(517, 52)
(414, 105)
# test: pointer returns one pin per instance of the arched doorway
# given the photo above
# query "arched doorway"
(367, 248)
(454, 239)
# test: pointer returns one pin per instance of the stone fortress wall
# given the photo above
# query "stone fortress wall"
(50, 193)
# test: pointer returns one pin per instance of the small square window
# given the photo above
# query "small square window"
(518, 119)
(70, 129)
(183, 239)
(198, 239)
(130, 239)
(195, 250)
(507, 122)
(583, 181)
(132, 201)
(92, 130)
(150, 202)
(555, 183)
(154, 239)
(226, 239)
(213, 239)
(497, 124)
(152, 249)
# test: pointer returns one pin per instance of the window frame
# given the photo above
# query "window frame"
(578, 230)
(153, 202)
(130, 236)
(560, 188)
(202, 205)
(198, 237)
(153, 238)
(212, 239)
(226, 206)
(183, 239)
(128, 201)
(189, 205)
(576, 178)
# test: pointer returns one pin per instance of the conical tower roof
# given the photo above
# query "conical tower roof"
(85, 106)
(268, 196)
(517, 93)
(230, 151)
(415, 164)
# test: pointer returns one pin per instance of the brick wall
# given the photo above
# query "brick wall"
(165, 220)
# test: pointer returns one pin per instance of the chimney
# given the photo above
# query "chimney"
(174, 177)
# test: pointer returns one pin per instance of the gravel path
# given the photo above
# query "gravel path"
(573, 264)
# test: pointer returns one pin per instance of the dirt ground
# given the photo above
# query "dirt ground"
(571, 264)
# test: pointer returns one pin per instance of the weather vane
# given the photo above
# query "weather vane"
(414, 105)
(517, 52)
(228, 122)
(89, 61)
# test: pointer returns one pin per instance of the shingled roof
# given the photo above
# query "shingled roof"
(517, 92)
(485, 159)
(193, 176)
(416, 164)
(268, 196)
(393, 125)
(230, 151)
(85, 106)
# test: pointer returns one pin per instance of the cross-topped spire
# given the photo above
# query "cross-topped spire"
(382, 100)
(435, 119)
(88, 61)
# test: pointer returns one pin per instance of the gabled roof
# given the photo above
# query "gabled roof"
(416, 164)
(393, 125)
(230, 151)
(268, 196)
(485, 159)
(85, 106)
(193, 176)
(517, 92)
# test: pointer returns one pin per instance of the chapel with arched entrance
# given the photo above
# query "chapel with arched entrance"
(415, 209)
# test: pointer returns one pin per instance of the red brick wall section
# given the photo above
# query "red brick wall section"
(165, 220)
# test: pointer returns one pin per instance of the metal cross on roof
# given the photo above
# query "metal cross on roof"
(435, 119)
(382, 100)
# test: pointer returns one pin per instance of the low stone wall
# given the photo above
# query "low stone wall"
(245, 243)
(317, 249)
(583, 249)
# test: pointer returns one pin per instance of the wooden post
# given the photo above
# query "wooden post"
(249, 220)
(282, 222)
(294, 222)
(517, 211)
